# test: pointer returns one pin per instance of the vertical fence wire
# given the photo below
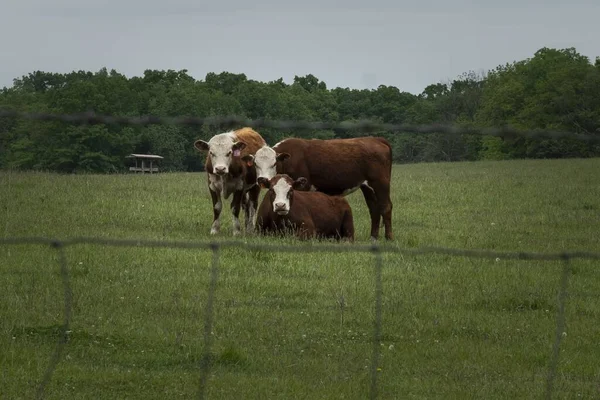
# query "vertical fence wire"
(208, 321)
(560, 326)
(64, 331)
(377, 321)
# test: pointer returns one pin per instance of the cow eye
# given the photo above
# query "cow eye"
(229, 153)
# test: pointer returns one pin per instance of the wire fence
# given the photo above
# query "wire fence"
(376, 249)
(232, 121)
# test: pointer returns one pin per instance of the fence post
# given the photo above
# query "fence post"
(206, 356)
(560, 326)
(64, 332)
(377, 321)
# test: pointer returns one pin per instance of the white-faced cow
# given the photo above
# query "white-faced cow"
(335, 167)
(228, 174)
(308, 214)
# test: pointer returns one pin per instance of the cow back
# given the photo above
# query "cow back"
(333, 166)
(253, 140)
(326, 213)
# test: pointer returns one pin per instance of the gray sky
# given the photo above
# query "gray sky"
(362, 44)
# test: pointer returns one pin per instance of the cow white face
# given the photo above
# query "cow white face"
(221, 149)
(281, 189)
(265, 161)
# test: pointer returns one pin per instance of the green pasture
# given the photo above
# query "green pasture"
(300, 325)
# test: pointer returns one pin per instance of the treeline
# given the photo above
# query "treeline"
(555, 89)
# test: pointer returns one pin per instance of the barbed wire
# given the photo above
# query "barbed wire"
(375, 248)
(233, 121)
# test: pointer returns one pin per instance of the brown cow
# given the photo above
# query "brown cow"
(307, 213)
(336, 167)
(228, 174)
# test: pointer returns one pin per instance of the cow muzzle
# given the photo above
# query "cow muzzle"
(281, 209)
(220, 170)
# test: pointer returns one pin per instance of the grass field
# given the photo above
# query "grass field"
(300, 325)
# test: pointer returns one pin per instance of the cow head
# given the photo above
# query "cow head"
(221, 150)
(265, 161)
(281, 192)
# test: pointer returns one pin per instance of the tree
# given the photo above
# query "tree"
(225, 82)
(310, 83)
(554, 89)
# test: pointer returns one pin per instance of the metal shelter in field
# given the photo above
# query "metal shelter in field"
(144, 160)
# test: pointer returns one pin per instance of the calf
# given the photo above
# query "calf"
(335, 167)
(228, 174)
(306, 213)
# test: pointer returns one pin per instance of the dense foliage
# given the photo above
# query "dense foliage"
(555, 89)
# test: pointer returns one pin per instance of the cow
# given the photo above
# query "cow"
(227, 174)
(335, 167)
(308, 214)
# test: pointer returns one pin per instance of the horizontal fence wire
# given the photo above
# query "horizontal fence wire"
(302, 247)
(233, 121)
(374, 248)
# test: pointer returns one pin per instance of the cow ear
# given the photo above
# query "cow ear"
(201, 145)
(282, 156)
(248, 159)
(299, 183)
(264, 183)
(239, 146)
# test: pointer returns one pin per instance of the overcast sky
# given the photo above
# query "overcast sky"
(347, 43)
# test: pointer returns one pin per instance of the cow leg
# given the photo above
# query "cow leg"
(374, 212)
(245, 205)
(263, 224)
(251, 207)
(305, 231)
(217, 207)
(236, 204)
(384, 205)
